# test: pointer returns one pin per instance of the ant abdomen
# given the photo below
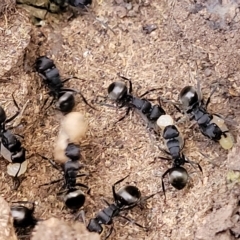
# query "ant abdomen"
(128, 195)
(178, 177)
(74, 199)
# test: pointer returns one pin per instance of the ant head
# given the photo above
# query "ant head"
(178, 177)
(66, 102)
(22, 216)
(128, 195)
(73, 151)
(2, 115)
(188, 97)
(117, 91)
(74, 199)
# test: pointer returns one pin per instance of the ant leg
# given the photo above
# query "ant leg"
(164, 158)
(192, 163)
(15, 102)
(82, 175)
(106, 202)
(113, 187)
(103, 102)
(49, 104)
(148, 197)
(142, 200)
(16, 114)
(82, 215)
(199, 91)
(67, 79)
(163, 186)
(132, 221)
(163, 150)
(51, 161)
(212, 92)
(101, 22)
(126, 114)
(110, 232)
(82, 185)
(175, 104)
(151, 90)
(52, 182)
(83, 98)
(127, 79)
(106, 104)
(16, 181)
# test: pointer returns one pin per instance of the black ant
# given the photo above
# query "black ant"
(79, 3)
(50, 74)
(22, 215)
(118, 92)
(125, 198)
(11, 148)
(70, 194)
(178, 176)
(75, 3)
(211, 125)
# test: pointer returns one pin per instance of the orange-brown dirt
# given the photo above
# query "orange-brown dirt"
(192, 39)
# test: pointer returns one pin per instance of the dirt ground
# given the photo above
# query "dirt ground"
(198, 39)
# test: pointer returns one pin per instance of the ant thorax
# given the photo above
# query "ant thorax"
(150, 124)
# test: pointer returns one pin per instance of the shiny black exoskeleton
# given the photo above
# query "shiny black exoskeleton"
(11, 148)
(193, 104)
(50, 74)
(22, 215)
(173, 140)
(124, 199)
(178, 176)
(119, 92)
(70, 193)
(74, 3)
(79, 3)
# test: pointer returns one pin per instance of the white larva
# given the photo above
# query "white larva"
(75, 125)
(164, 121)
(73, 129)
